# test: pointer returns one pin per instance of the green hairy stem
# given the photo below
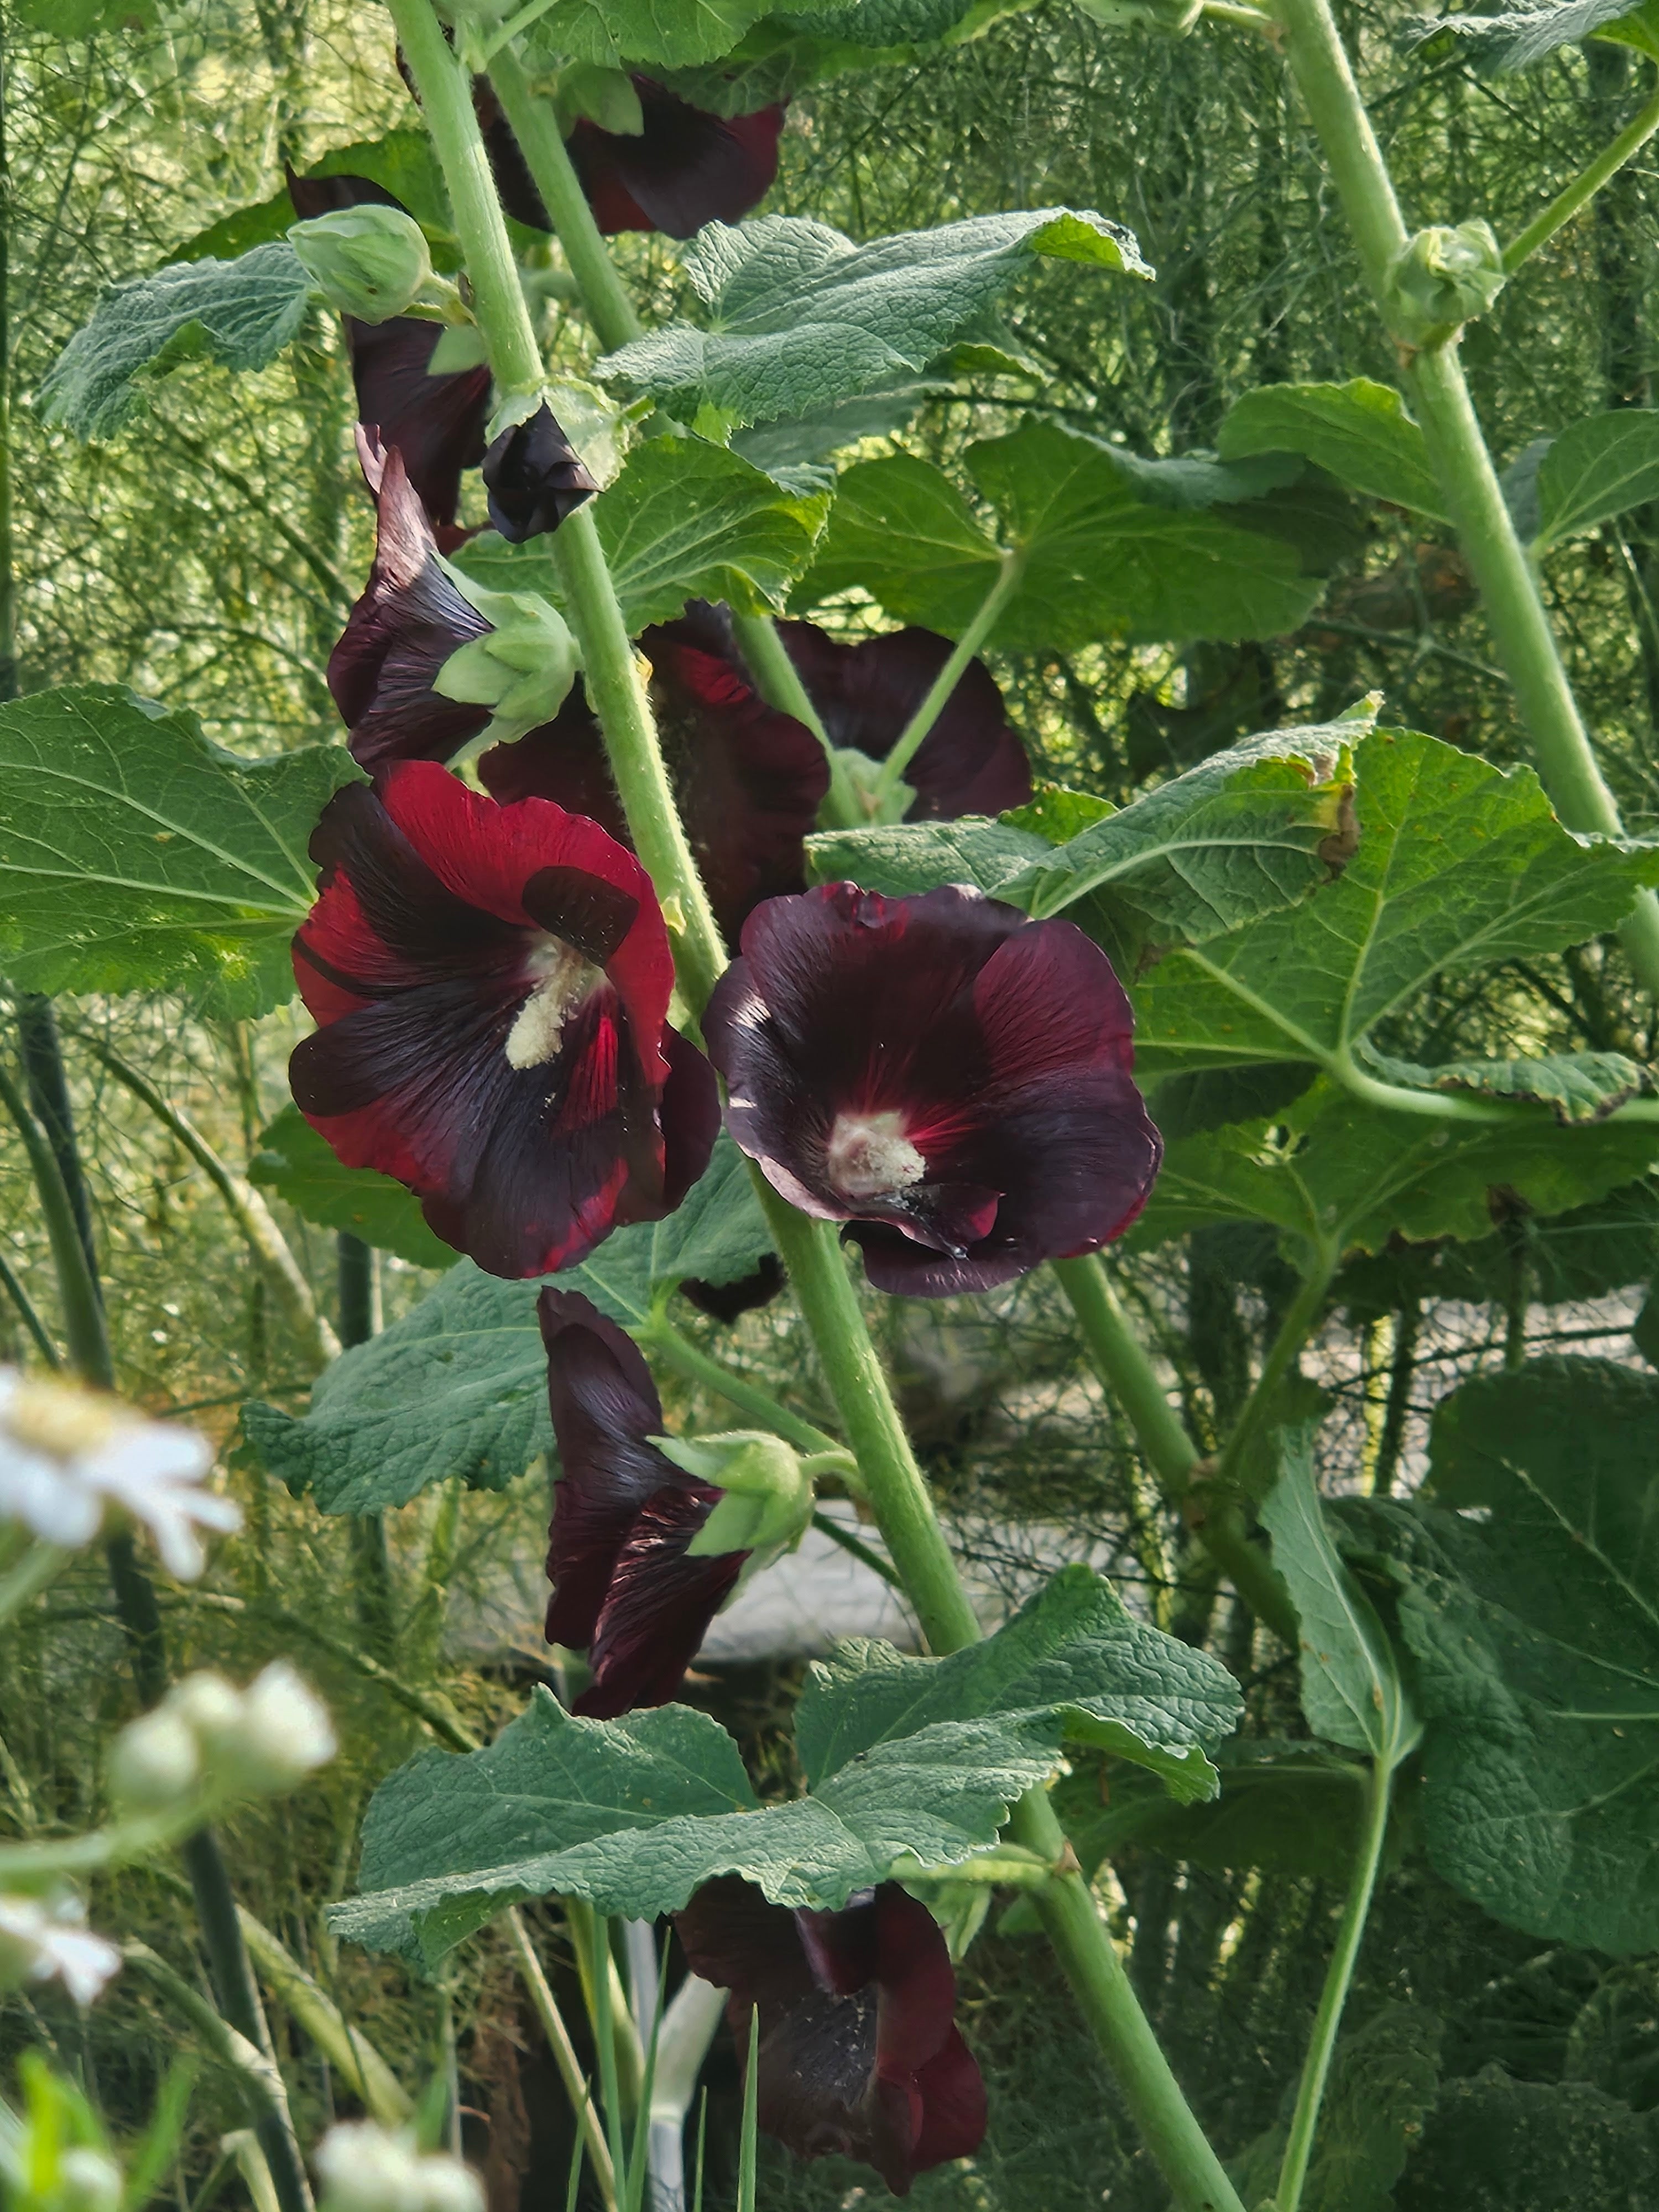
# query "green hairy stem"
(1457, 450)
(898, 1494)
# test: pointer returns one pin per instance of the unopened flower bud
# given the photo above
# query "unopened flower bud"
(87, 2181)
(370, 262)
(1442, 278)
(255, 1742)
(157, 1760)
(522, 667)
(287, 1732)
(769, 1493)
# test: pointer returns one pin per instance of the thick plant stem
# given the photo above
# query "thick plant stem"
(661, 1338)
(777, 677)
(1457, 450)
(1128, 1376)
(1293, 2171)
(537, 130)
(1584, 187)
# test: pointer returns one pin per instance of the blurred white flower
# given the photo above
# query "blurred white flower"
(45, 1937)
(207, 1735)
(87, 2181)
(66, 1454)
(364, 2168)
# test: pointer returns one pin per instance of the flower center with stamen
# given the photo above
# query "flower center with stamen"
(561, 980)
(871, 1156)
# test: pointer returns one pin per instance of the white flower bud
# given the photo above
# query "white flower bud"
(363, 2169)
(287, 1731)
(157, 1760)
(46, 1938)
(87, 2181)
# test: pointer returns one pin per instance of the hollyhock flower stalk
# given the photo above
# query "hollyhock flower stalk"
(854, 1375)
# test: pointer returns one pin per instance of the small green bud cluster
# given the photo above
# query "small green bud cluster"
(370, 262)
(208, 1741)
(769, 1493)
(523, 668)
(1442, 279)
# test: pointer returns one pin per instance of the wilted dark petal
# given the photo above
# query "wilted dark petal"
(658, 1606)
(726, 1302)
(859, 2050)
(950, 1080)
(971, 762)
(684, 169)
(514, 187)
(749, 779)
(535, 477)
(408, 620)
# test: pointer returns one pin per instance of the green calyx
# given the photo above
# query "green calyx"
(856, 798)
(768, 1491)
(522, 668)
(1442, 279)
(371, 263)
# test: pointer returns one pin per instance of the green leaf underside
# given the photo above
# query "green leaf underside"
(1099, 559)
(1359, 431)
(1351, 1689)
(1334, 1174)
(298, 1166)
(1598, 468)
(1384, 2082)
(1535, 1630)
(135, 855)
(1494, 2144)
(1499, 44)
(676, 32)
(470, 1355)
(1288, 1806)
(1577, 1086)
(905, 1760)
(1245, 832)
(684, 520)
(800, 317)
(1458, 865)
(241, 313)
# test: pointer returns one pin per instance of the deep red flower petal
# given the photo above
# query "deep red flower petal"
(535, 477)
(749, 779)
(419, 959)
(971, 762)
(993, 1052)
(659, 1605)
(891, 2083)
(727, 1302)
(408, 620)
(684, 169)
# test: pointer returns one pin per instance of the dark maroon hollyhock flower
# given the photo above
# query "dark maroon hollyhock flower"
(436, 422)
(685, 168)
(535, 477)
(750, 781)
(408, 620)
(949, 1079)
(971, 762)
(625, 1589)
(860, 2053)
(728, 1301)
(491, 988)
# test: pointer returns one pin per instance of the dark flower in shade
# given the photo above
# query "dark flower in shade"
(535, 477)
(749, 779)
(858, 2052)
(949, 1079)
(491, 988)
(686, 167)
(726, 1302)
(625, 1587)
(408, 623)
(971, 762)
(436, 422)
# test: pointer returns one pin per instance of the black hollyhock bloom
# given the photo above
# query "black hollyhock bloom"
(625, 1586)
(749, 779)
(491, 986)
(436, 422)
(859, 2053)
(684, 168)
(408, 623)
(951, 1080)
(971, 762)
(535, 477)
(726, 1302)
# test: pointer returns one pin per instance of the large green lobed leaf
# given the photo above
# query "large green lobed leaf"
(909, 1759)
(134, 855)
(1359, 431)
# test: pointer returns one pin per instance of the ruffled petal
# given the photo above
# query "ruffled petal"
(659, 1605)
(971, 762)
(950, 1080)
(408, 620)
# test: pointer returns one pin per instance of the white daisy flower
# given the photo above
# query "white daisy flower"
(66, 1454)
(365, 2168)
(44, 1938)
